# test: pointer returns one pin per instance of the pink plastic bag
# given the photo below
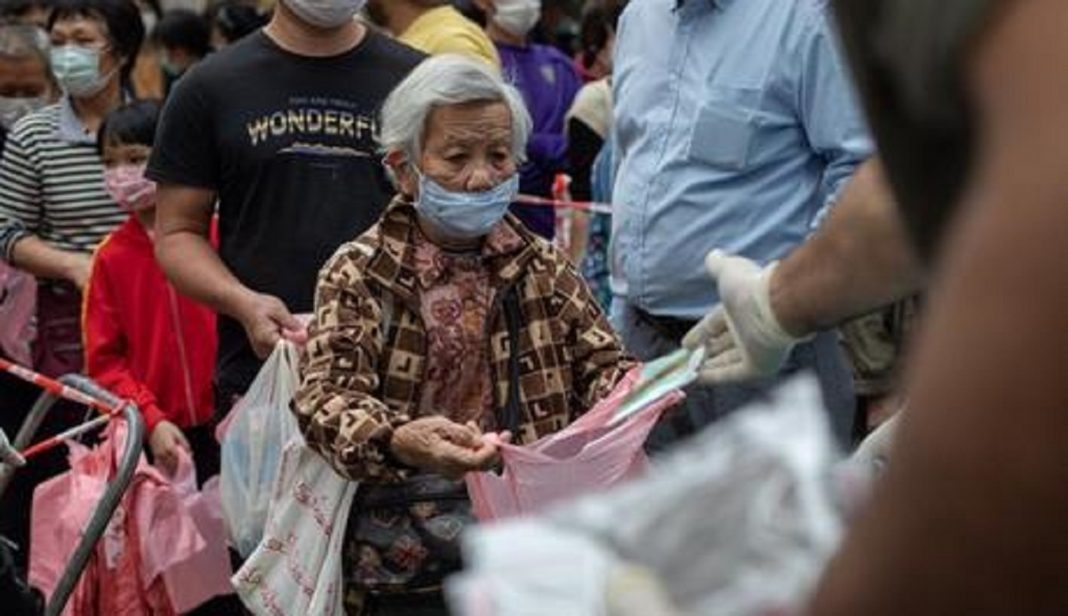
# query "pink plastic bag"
(61, 509)
(18, 304)
(203, 572)
(164, 551)
(585, 457)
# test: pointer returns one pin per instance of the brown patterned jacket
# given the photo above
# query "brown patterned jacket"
(360, 383)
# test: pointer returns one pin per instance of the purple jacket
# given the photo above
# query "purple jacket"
(549, 83)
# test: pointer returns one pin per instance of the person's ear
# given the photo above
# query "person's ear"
(400, 171)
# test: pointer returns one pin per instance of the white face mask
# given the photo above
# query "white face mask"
(517, 16)
(12, 109)
(149, 19)
(326, 13)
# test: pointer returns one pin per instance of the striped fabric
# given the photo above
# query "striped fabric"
(52, 185)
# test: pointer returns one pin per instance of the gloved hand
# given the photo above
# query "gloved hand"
(742, 337)
(8, 455)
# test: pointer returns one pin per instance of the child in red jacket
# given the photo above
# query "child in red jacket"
(144, 341)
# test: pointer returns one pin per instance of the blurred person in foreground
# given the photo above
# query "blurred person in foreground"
(413, 356)
(968, 517)
(434, 27)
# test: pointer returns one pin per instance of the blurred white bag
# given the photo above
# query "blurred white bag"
(297, 567)
(738, 521)
(254, 436)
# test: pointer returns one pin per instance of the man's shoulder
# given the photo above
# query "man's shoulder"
(219, 70)
(392, 54)
(804, 13)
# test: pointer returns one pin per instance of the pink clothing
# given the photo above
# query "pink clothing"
(161, 553)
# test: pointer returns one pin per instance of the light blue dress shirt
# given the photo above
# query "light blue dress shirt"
(736, 124)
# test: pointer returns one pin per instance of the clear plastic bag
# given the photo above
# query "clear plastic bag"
(255, 435)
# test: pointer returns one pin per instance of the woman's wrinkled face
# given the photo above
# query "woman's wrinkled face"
(466, 148)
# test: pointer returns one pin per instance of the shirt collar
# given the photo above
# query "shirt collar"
(70, 127)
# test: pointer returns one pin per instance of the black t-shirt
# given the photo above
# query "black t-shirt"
(288, 144)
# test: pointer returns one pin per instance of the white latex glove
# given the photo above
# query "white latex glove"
(8, 455)
(873, 454)
(743, 339)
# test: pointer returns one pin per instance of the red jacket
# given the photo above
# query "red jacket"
(143, 341)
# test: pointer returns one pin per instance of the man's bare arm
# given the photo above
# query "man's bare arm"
(858, 261)
(184, 250)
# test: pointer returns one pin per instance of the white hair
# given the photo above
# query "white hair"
(447, 79)
(22, 42)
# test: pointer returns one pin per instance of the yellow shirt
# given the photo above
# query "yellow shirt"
(446, 30)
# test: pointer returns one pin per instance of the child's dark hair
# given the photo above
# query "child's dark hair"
(185, 30)
(132, 124)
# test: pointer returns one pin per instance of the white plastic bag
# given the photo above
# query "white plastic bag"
(738, 521)
(257, 430)
(297, 567)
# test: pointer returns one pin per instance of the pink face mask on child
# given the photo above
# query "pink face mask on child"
(129, 187)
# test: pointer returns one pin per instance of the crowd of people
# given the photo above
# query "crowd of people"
(474, 218)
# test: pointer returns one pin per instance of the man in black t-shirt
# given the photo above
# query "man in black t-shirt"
(280, 129)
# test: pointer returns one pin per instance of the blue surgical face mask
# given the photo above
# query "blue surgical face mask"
(77, 69)
(465, 215)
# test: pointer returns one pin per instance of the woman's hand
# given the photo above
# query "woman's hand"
(165, 441)
(445, 447)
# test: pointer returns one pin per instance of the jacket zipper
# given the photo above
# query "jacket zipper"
(183, 357)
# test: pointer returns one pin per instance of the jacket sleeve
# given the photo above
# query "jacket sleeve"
(335, 405)
(599, 360)
(106, 347)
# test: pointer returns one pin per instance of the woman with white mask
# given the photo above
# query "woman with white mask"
(549, 82)
(54, 208)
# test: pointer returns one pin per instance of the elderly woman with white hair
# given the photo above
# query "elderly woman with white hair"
(446, 321)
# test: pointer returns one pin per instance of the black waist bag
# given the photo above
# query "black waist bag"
(404, 538)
